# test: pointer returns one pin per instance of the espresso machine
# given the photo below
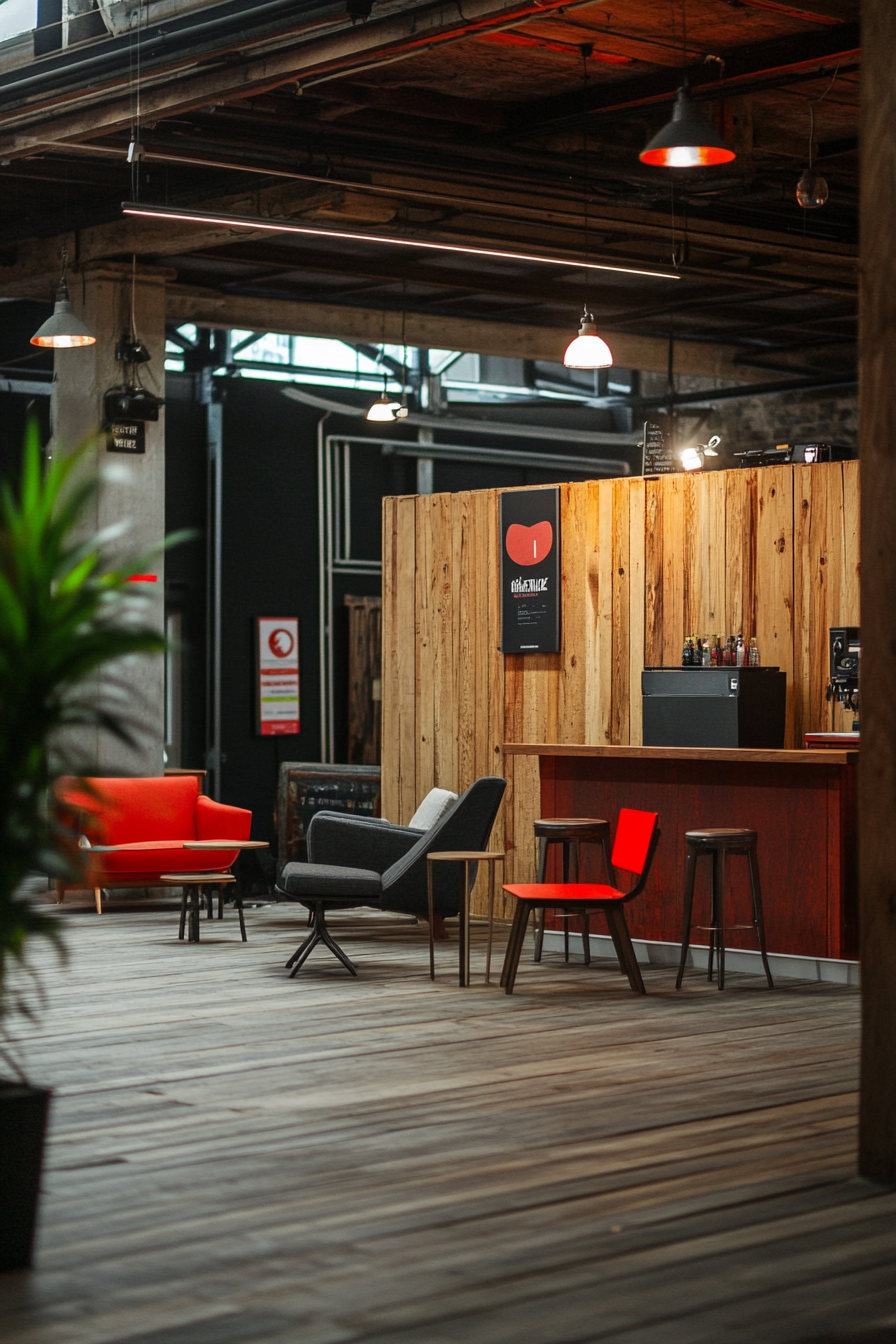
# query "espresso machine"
(843, 686)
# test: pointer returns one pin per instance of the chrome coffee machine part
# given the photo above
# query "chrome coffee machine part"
(845, 661)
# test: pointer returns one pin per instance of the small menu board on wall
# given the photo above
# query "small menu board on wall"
(277, 673)
(130, 438)
(657, 456)
(530, 571)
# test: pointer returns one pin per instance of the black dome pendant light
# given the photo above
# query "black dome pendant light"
(687, 140)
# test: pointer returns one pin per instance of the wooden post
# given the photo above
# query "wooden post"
(877, 420)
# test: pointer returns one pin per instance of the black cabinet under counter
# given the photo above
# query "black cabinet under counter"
(713, 706)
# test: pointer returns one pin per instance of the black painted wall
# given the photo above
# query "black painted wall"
(269, 568)
(186, 489)
(270, 555)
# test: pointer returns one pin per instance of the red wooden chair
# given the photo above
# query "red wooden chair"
(636, 840)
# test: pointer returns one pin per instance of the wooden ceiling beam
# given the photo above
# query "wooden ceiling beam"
(414, 103)
(796, 261)
(613, 305)
(211, 308)
(94, 111)
(509, 199)
(813, 11)
(761, 65)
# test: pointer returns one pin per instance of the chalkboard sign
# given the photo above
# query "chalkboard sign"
(657, 458)
(308, 788)
(130, 438)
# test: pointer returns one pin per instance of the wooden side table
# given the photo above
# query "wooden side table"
(466, 857)
(224, 844)
(194, 884)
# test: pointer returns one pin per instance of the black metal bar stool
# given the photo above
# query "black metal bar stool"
(718, 844)
(570, 832)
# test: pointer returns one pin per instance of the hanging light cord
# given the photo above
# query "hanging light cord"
(586, 49)
(672, 206)
(404, 348)
(133, 297)
(812, 106)
(684, 41)
(383, 352)
(134, 74)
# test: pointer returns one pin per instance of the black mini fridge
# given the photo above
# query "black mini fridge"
(713, 706)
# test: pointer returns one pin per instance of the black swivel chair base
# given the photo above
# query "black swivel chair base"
(320, 933)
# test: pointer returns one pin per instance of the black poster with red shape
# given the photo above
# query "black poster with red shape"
(530, 571)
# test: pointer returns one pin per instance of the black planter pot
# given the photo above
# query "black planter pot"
(23, 1127)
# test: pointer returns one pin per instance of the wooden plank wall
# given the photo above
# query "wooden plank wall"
(365, 624)
(771, 551)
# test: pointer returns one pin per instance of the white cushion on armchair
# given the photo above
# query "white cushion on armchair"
(433, 808)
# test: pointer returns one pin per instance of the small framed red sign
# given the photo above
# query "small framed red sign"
(277, 662)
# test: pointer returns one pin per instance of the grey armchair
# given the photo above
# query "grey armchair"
(358, 861)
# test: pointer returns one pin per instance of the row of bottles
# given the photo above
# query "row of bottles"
(733, 652)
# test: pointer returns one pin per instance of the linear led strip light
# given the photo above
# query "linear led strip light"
(288, 226)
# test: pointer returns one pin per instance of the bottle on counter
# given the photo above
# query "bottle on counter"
(740, 653)
(753, 655)
(730, 650)
(686, 653)
(714, 652)
(706, 652)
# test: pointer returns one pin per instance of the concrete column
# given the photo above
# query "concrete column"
(133, 486)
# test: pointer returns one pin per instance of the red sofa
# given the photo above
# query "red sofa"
(147, 821)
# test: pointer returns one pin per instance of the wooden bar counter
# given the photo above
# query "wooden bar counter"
(801, 803)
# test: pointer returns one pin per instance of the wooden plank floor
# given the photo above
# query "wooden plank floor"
(239, 1157)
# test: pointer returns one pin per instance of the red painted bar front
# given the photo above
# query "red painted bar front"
(802, 804)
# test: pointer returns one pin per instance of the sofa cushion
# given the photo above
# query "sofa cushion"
(324, 879)
(147, 859)
(433, 808)
(115, 811)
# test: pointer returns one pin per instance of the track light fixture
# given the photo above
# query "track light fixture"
(260, 224)
(694, 459)
(64, 329)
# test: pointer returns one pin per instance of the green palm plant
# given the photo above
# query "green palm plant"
(65, 611)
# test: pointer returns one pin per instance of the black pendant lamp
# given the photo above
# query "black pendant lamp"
(688, 140)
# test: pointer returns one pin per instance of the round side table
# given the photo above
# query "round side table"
(219, 845)
(466, 857)
(193, 885)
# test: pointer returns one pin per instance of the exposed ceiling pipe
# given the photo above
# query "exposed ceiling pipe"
(161, 37)
(509, 457)
(826, 384)
(459, 424)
